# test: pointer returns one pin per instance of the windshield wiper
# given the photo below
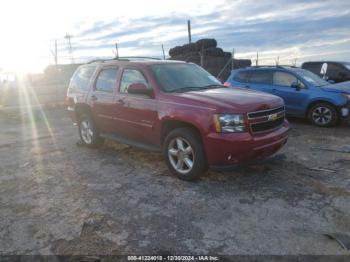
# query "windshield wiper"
(195, 88)
(212, 86)
(184, 89)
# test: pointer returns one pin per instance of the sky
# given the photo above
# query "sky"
(294, 31)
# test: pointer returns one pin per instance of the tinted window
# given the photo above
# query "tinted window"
(175, 76)
(81, 77)
(107, 80)
(241, 77)
(284, 79)
(131, 76)
(313, 67)
(347, 65)
(336, 71)
(261, 77)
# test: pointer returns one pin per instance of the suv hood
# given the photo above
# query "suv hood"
(234, 99)
(343, 87)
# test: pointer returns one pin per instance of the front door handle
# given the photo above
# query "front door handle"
(93, 98)
(274, 90)
(247, 86)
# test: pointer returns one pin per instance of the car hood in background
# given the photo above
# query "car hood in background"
(343, 87)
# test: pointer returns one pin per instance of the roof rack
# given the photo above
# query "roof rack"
(124, 58)
(137, 57)
(281, 66)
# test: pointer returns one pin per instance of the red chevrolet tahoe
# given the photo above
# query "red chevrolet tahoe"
(177, 108)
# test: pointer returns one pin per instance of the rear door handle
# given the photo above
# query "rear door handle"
(247, 86)
(274, 90)
(93, 98)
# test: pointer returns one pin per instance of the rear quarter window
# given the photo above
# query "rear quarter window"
(81, 78)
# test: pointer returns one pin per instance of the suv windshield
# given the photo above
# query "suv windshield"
(311, 78)
(183, 77)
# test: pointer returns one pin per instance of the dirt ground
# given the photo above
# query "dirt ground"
(60, 198)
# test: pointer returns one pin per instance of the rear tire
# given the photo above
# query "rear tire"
(88, 132)
(184, 154)
(323, 115)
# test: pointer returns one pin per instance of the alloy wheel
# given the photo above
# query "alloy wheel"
(86, 131)
(181, 155)
(322, 115)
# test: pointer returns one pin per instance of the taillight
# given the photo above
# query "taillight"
(227, 84)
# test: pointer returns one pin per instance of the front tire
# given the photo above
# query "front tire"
(323, 115)
(88, 131)
(184, 154)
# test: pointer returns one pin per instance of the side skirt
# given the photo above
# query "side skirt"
(130, 142)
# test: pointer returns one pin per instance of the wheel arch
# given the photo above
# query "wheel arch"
(82, 108)
(318, 101)
(170, 124)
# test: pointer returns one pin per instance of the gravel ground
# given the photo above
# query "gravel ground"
(59, 198)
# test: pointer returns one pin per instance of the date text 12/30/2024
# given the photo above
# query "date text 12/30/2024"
(173, 258)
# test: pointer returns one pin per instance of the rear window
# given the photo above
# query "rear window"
(261, 77)
(81, 77)
(241, 77)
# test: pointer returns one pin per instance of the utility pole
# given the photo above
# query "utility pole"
(295, 62)
(70, 48)
(116, 48)
(54, 53)
(257, 59)
(56, 75)
(189, 31)
(232, 59)
(277, 60)
(163, 52)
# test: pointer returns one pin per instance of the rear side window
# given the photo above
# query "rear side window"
(131, 76)
(81, 78)
(241, 77)
(261, 77)
(347, 65)
(313, 67)
(284, 79)
(336, 71)
(106, 80)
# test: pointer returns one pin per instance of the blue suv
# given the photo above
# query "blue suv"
(305, 94)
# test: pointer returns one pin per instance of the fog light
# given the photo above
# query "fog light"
(345, 111)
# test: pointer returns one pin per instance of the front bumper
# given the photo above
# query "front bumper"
(231, 149)
(344, 111)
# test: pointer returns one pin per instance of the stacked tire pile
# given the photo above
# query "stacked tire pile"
(213, 58)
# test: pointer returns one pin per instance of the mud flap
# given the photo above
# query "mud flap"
(342, 239)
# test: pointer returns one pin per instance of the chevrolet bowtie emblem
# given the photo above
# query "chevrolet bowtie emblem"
(273, 117)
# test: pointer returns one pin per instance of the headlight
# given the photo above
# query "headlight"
(227, 123)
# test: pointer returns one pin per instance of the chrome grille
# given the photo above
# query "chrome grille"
(265, 112)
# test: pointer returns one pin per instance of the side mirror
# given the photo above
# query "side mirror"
(139, 89)
(296, 86)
